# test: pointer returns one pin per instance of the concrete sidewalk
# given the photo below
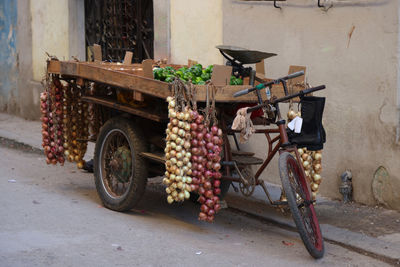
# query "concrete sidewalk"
(27, 133)
(373, 231)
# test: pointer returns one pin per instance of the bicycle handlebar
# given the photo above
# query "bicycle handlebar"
(285, 98)
(243, 92)
(301, 93)
(293, 75)
(310, 90)
(263, 85)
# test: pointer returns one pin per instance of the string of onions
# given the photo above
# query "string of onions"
(93, 111)
(207, 158)
(51, 109)
(198, 149)
(75, 119)
(177, 151)
(209, 190)
(311, 161)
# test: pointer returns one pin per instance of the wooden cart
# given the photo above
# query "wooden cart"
(138, 101)
(135, 81)
(130, 143)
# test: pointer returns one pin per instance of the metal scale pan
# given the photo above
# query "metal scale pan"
(244, 56)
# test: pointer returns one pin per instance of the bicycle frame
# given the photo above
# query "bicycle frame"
(278, 143)
(283, 144)
(272, 149)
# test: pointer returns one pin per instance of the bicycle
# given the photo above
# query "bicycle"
(294, 182)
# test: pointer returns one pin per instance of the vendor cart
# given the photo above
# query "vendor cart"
(131, 113)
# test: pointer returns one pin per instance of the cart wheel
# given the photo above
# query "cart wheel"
(120, 172)
(300, 203)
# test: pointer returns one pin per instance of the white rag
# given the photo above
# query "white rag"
(296, 124)
(243, 123)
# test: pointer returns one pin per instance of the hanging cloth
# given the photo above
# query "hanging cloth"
(243, 123)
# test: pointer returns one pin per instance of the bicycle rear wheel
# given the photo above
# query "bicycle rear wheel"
(300, 203)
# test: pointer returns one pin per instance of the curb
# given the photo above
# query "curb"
(13, 144)
(360, 243)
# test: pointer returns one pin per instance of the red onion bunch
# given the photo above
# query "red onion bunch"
(52, 128)
(198, 149)
(206, 149)
(177, 153)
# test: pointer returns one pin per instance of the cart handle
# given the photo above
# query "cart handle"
(263, 85)
(285, 98)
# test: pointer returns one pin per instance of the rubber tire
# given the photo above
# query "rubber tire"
(137, 145)
(316, 251)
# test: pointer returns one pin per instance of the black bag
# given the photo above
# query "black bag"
(312, 135)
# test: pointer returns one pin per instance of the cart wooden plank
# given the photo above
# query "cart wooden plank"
(53, 66)
(145, 113)
(98, 73)
(131, 78)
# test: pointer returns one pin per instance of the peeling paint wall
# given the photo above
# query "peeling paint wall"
(8, 55)
(28, 29)
(353, 49)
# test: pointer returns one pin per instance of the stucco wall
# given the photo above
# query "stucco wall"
(8, 55)
(161, 29)
(360, 71)
(49, 33)
(196, 28)
(28, 29)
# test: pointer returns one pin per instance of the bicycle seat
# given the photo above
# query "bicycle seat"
(243, 55)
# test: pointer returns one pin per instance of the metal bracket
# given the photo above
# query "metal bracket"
(278, 6)
(319, 4)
